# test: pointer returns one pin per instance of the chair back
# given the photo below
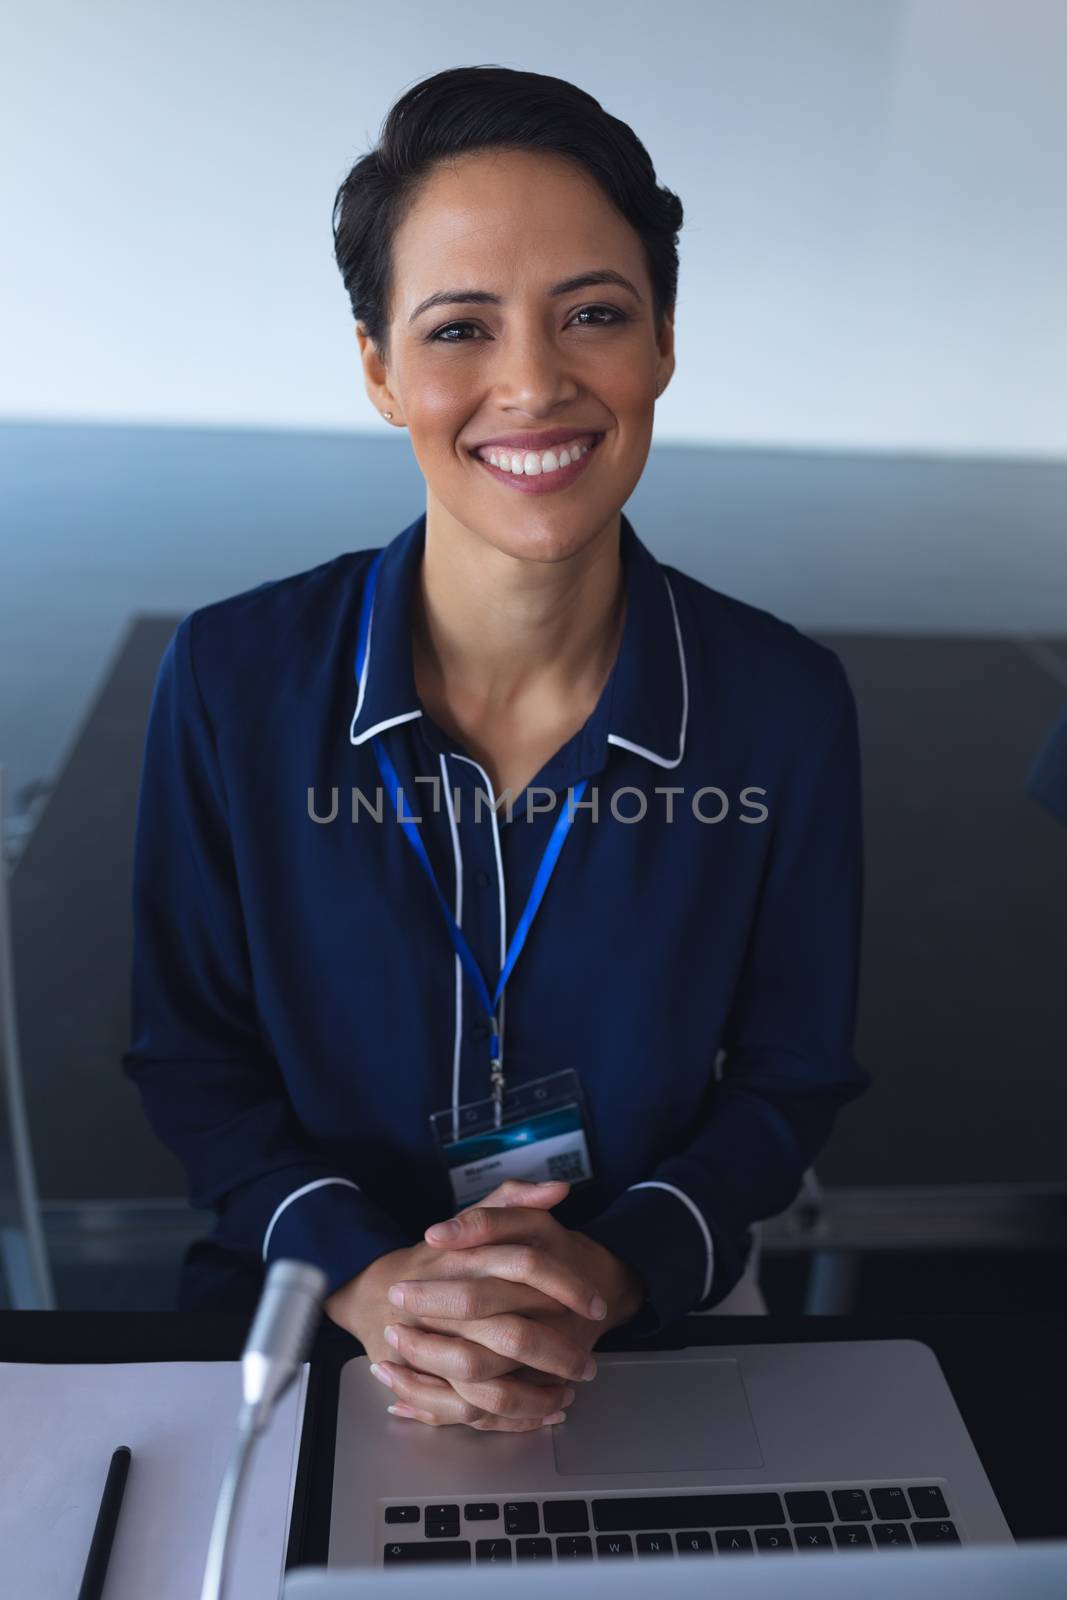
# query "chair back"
(25, 1272)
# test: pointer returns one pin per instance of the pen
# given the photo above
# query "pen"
(106, 1519)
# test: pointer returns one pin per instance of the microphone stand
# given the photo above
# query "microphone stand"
(218, 1550)
(281, 1335)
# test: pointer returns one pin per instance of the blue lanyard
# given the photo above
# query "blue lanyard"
(540, 884)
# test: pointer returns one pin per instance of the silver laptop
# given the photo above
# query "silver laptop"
(1036, 1571)
(828, 1447)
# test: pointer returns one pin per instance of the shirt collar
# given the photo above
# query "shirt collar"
(643, 707)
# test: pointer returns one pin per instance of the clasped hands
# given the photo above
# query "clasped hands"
(489, 1324)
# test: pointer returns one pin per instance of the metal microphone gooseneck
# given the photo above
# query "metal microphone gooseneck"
(280, 1337)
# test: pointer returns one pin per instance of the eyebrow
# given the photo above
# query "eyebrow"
(482, 297)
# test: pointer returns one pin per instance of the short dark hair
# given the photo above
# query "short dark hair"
(467, 109)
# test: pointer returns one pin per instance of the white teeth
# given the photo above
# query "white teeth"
(531, 464)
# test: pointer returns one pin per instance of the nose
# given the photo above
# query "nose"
(531, 373)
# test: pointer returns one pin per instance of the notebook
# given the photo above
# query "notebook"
(60, 1426)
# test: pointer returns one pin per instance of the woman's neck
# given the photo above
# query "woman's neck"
(497, 631)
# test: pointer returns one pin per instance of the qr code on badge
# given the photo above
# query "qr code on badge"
(566, 1168)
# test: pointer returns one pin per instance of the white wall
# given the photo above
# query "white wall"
(874, 256)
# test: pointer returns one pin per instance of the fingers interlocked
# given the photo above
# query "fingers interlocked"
(474, 1374)
(479, 1354)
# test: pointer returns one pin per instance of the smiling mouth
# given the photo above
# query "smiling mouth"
(539, 480)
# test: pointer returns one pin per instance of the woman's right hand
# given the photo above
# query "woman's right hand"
(512, 1403)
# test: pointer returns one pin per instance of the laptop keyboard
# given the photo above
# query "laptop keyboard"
(647, 1527)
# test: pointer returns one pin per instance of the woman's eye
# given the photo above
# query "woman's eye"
(608, 311)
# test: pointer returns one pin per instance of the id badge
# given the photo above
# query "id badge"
(542, 1134)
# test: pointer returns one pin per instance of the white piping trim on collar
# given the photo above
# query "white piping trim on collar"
(612, 738)
(365, 668)
(408, 716)
(318, 1183)
(654, 1183)
(639, 749)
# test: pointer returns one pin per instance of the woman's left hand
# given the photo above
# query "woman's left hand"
(468, 1334)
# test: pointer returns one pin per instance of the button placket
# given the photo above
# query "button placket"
(481, 919)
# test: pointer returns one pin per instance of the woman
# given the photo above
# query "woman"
(508, 748)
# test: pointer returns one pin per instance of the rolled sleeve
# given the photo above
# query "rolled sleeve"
(787, 1047)
(212, 1091)
(658, 1231)
(330, 1222)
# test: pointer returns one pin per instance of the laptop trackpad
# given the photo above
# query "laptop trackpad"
(658, 1416)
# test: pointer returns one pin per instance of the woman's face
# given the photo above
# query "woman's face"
(513, 224)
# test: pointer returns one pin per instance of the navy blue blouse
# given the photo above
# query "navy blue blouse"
(298, 1009)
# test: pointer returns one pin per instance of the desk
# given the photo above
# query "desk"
(1007, 1375)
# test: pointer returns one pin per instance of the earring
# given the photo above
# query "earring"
(388, 415)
